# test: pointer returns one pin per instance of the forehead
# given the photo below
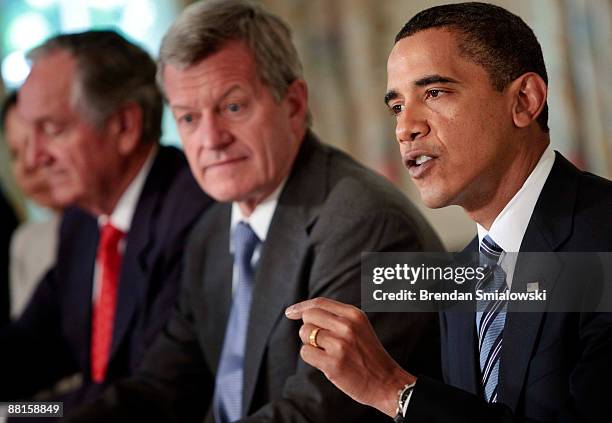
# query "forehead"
(52, 73)
(233, 64)
(14, 125)
(430, 52)
(49, 84)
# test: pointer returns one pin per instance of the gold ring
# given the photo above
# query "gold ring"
(312, 338)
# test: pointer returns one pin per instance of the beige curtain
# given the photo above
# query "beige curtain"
(344, 46)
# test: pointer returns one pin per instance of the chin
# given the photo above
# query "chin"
(63, 200)
(435, 200)
(44, 201)
(223, 196)
(230, 191)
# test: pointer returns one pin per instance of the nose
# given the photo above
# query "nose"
(214, 135)
(36, 151)
(411, 125)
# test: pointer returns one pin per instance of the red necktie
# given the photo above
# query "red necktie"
(103, 316)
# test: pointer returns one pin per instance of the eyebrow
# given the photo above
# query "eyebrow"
(226, 94)
(390, 95)
(422, 82)
(434, 79)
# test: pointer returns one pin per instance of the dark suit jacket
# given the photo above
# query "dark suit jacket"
(7, 227)
(330, 210)
(52, 338)
(555, 367)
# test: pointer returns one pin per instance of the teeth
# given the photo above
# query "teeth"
(422, 159)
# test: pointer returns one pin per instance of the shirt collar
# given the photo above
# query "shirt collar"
(510, 225)
(261, 217)
(121, 217)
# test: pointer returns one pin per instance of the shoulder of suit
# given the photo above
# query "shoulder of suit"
(358, 189)
(358, 197)
(577, 204)
(592, 191)
(594, 201)
(181, 186)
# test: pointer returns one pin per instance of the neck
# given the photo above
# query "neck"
(248, 205)
(121, 179)
(486, 207)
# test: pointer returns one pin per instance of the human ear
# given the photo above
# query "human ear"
(529, 92)
(126, 126)
(296, 100)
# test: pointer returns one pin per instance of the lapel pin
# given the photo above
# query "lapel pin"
(533, 286)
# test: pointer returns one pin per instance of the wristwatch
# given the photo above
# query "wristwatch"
(403, 398)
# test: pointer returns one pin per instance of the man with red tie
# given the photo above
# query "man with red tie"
(95, 113)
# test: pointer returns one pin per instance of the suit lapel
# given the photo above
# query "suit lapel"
(462, 349)
(279, 276)
(216, 283)
(82, 271)
(277, 279)
(522, 327)
(136, 263)
(550, 225)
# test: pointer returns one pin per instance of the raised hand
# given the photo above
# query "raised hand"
(340, 341)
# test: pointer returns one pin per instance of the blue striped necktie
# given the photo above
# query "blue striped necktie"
(227, 400)
(490, 318)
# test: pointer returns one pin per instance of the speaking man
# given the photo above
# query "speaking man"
(468, 86)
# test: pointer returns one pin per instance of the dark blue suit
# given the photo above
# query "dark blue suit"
(52, 338)
(555, 367)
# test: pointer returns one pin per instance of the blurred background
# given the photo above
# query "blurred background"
(344, 46)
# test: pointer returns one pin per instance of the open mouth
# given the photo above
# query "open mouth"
(418, 164)
(419, 160)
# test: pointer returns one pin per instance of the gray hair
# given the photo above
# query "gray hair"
(204, 27)
(111, 72)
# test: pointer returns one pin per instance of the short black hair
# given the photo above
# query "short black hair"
(499, 41)
(8, 103)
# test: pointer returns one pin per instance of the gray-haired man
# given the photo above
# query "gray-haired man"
(95, 112)
(298, 215)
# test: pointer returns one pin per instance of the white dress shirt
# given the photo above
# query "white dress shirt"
(508, 228)
(259, 221)
(121, 217)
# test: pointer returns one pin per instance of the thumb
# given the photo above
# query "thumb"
(294, 312)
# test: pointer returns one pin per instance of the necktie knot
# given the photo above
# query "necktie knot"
(109, 238)
(495, 277)
(245, 242)
(489, 252)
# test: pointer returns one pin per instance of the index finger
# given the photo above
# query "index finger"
(295, 311)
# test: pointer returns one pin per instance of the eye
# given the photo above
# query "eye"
(396, 109)
(433, 93)
(52, 129)
(233, 107)
(186, 118)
